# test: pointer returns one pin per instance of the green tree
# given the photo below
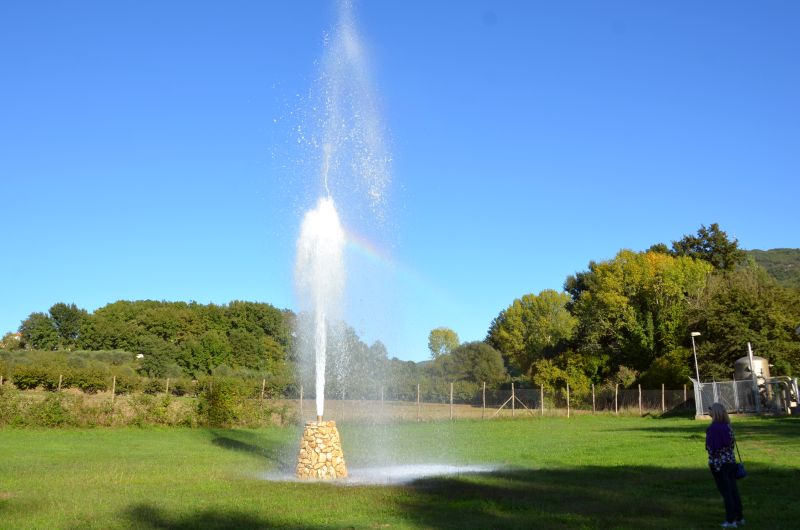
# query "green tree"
(531, 328)
(712, 245)
(741, 306)
(39, 332)
(476, 361)
(442, 341)
(67, 319)
(633, 309)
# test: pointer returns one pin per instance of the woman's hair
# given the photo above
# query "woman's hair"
(718, 413)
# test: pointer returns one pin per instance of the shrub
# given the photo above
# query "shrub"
(180, 387)
(27, 377)
(220, 403)
(126, 383)
(89, 380)
(9, 406)
(153, 387)
(48, 413)
(149, 409)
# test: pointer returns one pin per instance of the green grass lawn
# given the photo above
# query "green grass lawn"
(584, 472)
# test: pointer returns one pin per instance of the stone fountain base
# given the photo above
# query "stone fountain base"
(320, 456)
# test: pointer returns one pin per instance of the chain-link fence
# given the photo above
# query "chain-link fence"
(449, 401)
(753, 396)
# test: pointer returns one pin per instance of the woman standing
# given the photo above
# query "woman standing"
(722, 461)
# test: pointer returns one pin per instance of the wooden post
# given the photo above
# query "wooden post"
(417, 401)
(113, 388)
(513, 400)
(451, 401)
(663, 399)
(261, 401)
(541, 399)
(684, 393)
(640, 400)
(60, 379)
(1, 380)
(567, 400)
(483, 407)
(593, 403)
(166, 391)
(301, 404)
(616, 400)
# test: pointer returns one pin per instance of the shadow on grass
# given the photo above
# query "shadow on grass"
(585, 497)
(595, 497)
(252, 443)
(146, 516)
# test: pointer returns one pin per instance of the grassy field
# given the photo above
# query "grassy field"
(584, 472)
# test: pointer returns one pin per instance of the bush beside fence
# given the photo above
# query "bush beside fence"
(239, 402)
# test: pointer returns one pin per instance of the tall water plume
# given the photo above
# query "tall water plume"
(344, 135)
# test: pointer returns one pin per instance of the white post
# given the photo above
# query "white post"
(663, 399)
(616, 400)
(593, 403)
(640, 400)
(513, 400)
(417, 401)
(483, 407)
(451, 401)
(567, 399)
(541, 398)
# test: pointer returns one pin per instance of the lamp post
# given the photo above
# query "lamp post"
(694, 334)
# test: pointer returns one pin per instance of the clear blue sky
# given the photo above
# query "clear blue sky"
(141, 147)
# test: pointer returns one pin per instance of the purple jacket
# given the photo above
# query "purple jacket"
(719, 444)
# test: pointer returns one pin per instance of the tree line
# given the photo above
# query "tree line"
(621, 321)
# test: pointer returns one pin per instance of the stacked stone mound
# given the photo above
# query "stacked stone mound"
(321, 456)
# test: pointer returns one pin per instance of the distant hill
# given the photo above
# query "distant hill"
(783, 264)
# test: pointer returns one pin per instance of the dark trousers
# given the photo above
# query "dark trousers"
(726, 484)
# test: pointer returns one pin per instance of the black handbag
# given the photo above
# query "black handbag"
(741, 472)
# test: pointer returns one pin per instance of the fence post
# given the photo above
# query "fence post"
(417, 401)
(513, 400)
(663, 399)
(301, 404)
(167, 389)
(541, 398)
(451, 401)
(483, 407)
(113, 388)
(341, 404)
(684, 394)
(640, 400)
(616, 399)
(1, 380)
(567, 400)
(60, 378)
(593, 405)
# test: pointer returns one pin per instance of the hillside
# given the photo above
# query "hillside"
(783, 264)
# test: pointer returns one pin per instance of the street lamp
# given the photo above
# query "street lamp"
(694, 334)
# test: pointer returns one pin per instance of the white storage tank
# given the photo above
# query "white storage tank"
(741, 368)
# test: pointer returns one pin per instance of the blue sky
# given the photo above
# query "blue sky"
(143, 147)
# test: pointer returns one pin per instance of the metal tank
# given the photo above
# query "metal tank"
(741, 368)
